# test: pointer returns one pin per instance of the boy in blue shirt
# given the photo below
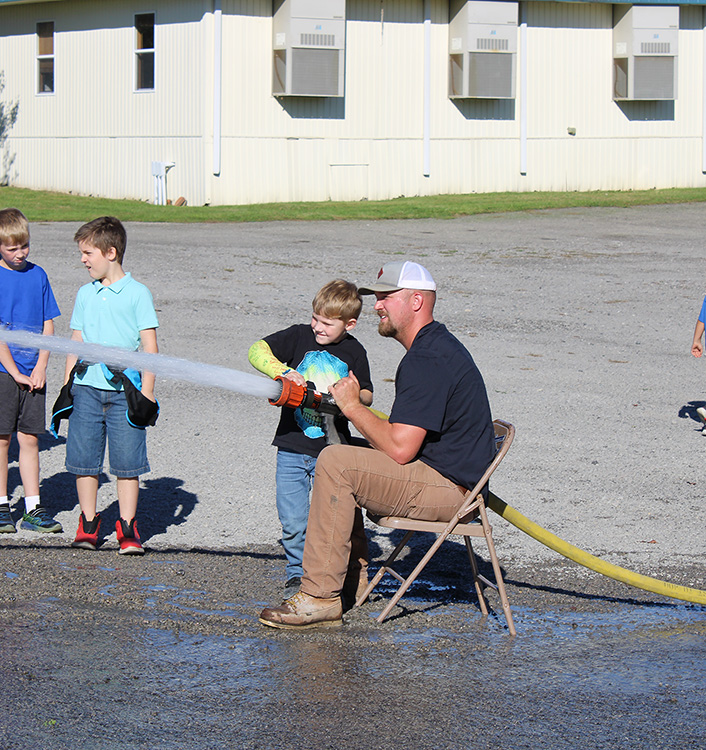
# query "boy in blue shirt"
(112, 310)
(26, 303)
(321, 352)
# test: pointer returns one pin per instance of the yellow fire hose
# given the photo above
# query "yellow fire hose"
(591, 561)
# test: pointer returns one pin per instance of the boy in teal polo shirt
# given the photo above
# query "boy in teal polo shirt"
(112, 310)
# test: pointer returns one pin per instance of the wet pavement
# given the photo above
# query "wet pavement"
(165, 651)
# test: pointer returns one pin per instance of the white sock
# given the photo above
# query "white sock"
(31, 502)
(4, 501)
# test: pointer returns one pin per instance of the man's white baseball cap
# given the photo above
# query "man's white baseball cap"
(401, 274)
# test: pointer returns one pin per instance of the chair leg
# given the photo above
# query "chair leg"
(474, 567)
(384, 568)
(407, 582)
(496, 569)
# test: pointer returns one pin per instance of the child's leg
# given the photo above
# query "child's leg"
(87, 491)
(127, 447)
(294, 477)
(29, 464)
(85, 446)
(128, 493)
(4, 450)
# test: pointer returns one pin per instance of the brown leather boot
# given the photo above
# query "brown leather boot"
(303, 611)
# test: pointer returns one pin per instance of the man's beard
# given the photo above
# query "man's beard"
(387, 329)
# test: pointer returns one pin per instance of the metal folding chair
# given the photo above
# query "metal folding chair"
(465, 523)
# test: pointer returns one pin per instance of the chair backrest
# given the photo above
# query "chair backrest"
(504, 435)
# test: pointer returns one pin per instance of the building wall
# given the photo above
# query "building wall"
(96, 135)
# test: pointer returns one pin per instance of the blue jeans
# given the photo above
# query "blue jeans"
(294, 478)
(99, 415)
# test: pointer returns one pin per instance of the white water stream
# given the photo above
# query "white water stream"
(162, 366)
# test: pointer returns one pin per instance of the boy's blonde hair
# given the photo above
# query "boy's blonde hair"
(14, 227)
(104, 232)
(338, 300)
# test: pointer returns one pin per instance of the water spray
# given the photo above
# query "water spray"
(280, 392)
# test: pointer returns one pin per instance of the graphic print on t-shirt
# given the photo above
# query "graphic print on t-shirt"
(323, 370)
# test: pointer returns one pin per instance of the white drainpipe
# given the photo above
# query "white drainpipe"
(217, 85)
(427, 88)
(523, 88)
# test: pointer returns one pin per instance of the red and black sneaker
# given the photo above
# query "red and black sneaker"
(128, 538)
(87, 534)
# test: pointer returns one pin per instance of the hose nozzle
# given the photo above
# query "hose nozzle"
(294, 396)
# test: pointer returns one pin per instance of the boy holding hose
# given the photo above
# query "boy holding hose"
(322, 352)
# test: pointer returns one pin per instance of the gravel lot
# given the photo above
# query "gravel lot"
(580, 320)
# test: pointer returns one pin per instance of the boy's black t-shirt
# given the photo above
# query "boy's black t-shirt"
(301, 430)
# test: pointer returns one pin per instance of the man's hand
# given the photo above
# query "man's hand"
(346, 392)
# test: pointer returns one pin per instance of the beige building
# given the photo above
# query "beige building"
(296, 100)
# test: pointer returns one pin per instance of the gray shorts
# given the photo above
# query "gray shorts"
(21, 410)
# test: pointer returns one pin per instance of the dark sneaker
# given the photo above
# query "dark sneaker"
(128, 538)
(302, 611)
(40, 520)
(7, 525)
(87, 534)
(292, 586)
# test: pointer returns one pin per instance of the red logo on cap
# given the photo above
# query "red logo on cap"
(379, 273)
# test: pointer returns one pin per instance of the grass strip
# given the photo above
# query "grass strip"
(39, 205)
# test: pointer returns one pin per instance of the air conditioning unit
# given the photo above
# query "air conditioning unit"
(309, 39)
(645, 39)
(482, 49)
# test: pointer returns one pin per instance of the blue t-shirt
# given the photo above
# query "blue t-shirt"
(26, 304)
(438, 387)
(112, 315)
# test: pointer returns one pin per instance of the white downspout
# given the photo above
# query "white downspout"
(703, 93)
(217, 84)
(523, 88)
(426, 136)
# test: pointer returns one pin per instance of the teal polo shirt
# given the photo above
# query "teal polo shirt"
(112, 315)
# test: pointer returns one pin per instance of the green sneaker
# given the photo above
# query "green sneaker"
(40, 520)
(7, 525)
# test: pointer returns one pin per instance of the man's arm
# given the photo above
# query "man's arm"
(401, 442)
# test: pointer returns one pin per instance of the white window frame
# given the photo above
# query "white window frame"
(143, 52)
(43, 58)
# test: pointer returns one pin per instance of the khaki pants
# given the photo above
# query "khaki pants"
(348, 478)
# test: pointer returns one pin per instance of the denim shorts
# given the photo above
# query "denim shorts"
(98, 415)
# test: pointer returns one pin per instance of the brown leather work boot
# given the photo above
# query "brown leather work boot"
(303, 611)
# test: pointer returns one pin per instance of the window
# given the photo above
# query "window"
(144, 51)
(45, 57)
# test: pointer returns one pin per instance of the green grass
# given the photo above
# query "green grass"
(46, 206)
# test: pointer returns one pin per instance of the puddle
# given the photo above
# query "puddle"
(605, 680)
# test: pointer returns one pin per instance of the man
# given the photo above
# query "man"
(437, 442)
